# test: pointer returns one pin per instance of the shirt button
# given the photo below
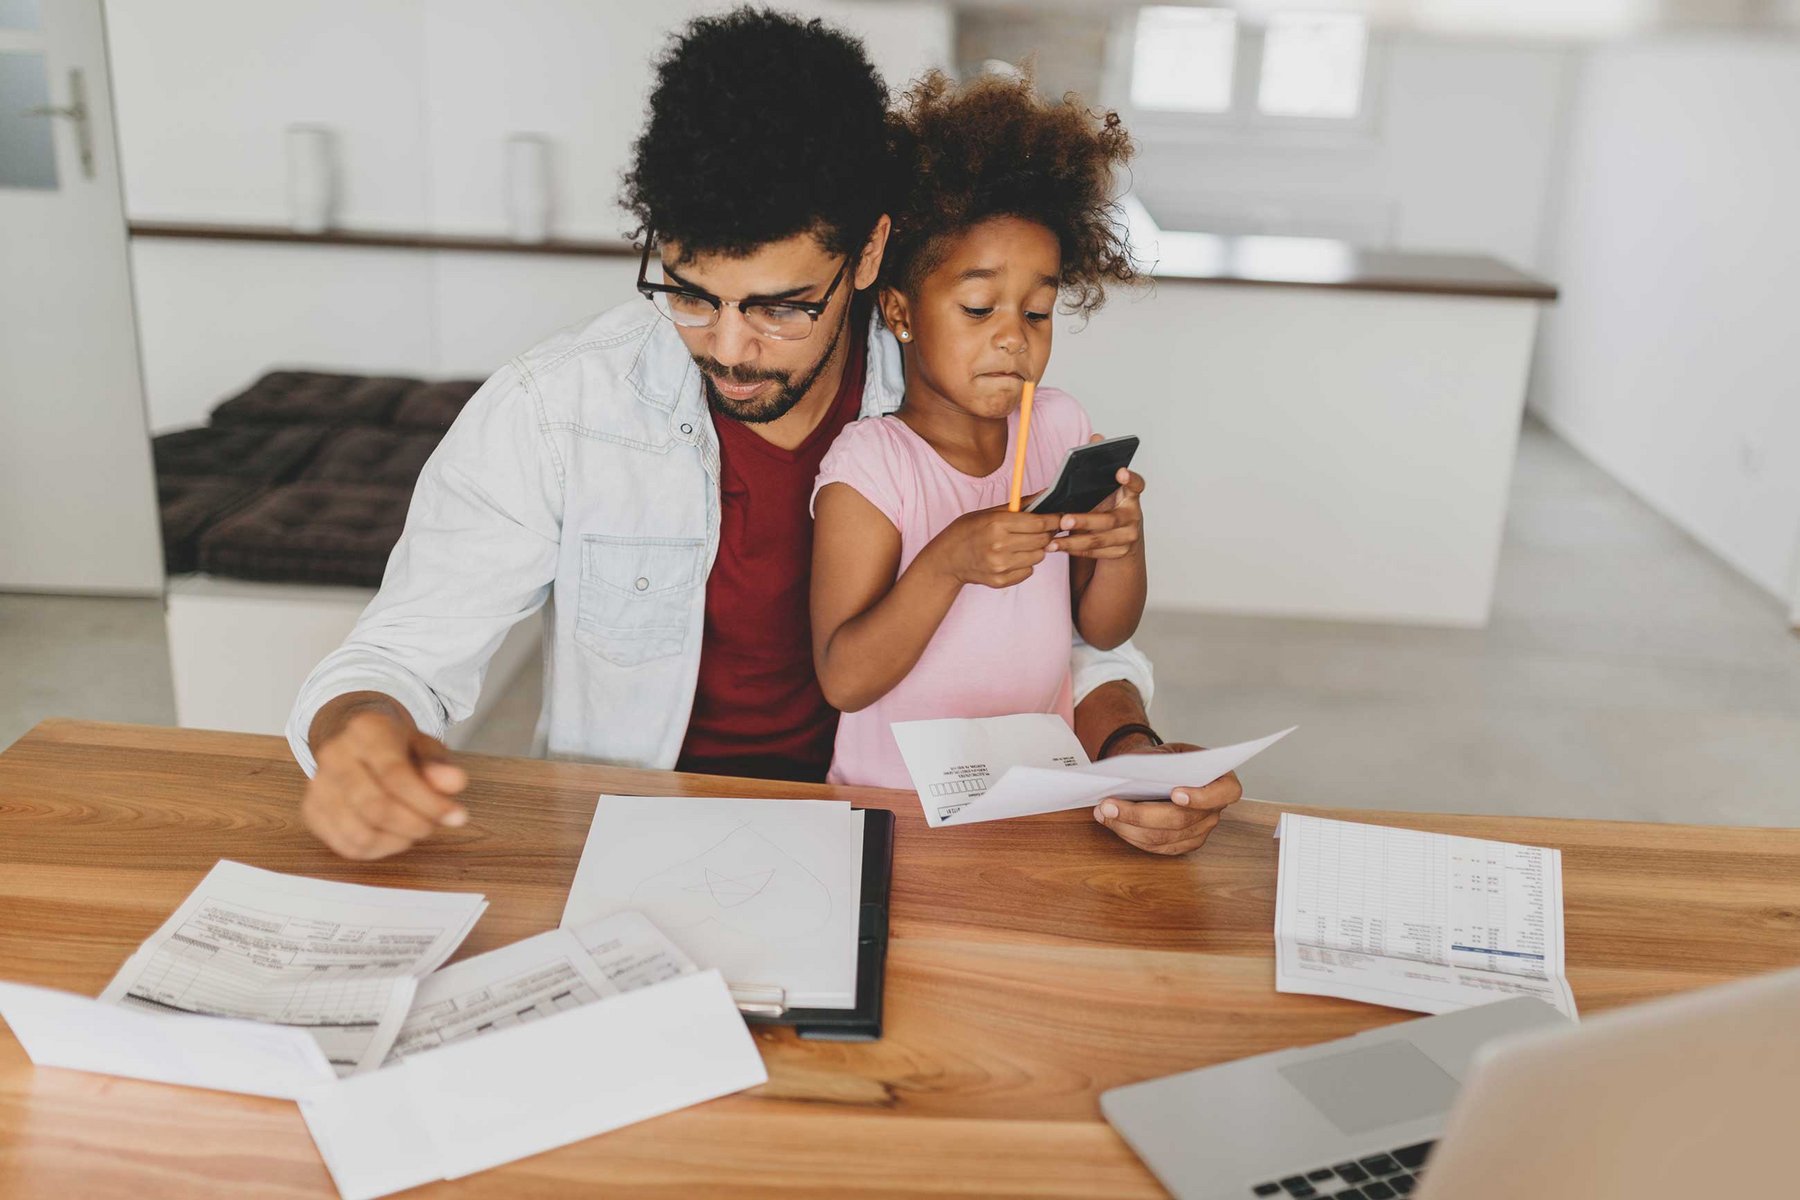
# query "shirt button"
(642, 584)
(687, 429)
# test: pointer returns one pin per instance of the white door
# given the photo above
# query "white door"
(77, 495)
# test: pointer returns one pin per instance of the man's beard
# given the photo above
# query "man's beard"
(787, 394)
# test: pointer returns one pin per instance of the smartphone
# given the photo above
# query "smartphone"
(1089, 475)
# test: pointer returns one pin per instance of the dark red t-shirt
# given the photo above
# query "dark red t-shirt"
(758, 710)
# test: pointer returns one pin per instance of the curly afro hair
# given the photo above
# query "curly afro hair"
(761, 126)
(994, 148)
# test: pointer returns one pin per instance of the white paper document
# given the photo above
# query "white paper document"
(526, 981)
(486, 1101)
(336, 960)
(1428, 922)
(993, 768)
(536, 978)
(60, 1029)
(764, 891)
(631, 952)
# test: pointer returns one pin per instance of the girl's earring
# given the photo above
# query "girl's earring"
(905, 335)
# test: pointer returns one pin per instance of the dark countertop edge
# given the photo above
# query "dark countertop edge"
(1526, 288)
(1480, 282)
(374, 239)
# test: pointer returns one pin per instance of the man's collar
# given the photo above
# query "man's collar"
(664, 375)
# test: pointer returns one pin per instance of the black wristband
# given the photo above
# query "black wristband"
(1125, 731)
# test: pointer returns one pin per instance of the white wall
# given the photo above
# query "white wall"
(204, 89)
(1671, 360)
(421, 94)
(1310, 451)
(1459, 155)
(215, 315)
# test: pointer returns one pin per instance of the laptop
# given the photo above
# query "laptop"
(1694, 1095)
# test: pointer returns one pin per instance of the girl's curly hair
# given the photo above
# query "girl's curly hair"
(993, 147)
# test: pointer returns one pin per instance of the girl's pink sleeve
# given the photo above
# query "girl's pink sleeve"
(865, 458)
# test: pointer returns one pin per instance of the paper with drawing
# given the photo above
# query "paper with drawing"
(766, 891)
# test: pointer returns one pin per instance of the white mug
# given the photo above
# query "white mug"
(528, 187)
(312, 178)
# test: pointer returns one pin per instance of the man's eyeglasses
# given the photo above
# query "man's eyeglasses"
(690, 308)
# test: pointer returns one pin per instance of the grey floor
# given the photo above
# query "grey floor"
(1626, 674)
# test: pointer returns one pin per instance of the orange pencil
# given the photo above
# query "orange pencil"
(1018, 482)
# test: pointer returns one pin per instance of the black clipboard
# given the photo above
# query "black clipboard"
(861, 1023)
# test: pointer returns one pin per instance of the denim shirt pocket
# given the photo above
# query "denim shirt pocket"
(637, 596)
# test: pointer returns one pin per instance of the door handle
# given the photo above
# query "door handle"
(76, 111)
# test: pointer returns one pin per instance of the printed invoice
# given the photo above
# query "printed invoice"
(992, 768)
(537, 978)
(1423, 921)
(337, 960)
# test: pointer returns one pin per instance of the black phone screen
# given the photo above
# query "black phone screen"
(1088, 476)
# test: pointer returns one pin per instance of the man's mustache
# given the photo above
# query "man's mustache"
(736, 375)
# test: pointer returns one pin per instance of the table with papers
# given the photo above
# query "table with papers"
(1033, 964)
(329, 994)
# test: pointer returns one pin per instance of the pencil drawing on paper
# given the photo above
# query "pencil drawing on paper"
(746, 882)
(729, 891)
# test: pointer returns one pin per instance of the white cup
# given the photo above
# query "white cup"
(312, 178)
(528, 187)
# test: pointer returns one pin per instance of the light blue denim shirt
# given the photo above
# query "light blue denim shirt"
(583, 476)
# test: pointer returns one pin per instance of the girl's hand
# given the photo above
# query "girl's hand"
(1113, 530)
(993, 547)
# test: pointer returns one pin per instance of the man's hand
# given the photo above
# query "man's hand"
(381, 784)
(1175, 826)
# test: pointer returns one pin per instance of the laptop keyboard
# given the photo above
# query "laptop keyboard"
(1377, 1177)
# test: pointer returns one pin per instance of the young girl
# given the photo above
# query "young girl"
(930, 599)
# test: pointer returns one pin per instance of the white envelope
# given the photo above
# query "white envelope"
(471, 1105)
(60, 1029)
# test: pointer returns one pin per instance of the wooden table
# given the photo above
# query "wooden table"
(1034, 964)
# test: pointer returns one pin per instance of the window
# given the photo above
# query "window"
(1312, 65)
(1201, 68)
(1182, 59)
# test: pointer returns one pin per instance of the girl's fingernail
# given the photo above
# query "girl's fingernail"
(1111, 810)
(1098, 817)
(1181, 798)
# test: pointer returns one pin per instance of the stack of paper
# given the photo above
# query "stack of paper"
(336, 960)
(1019, 766)
(765, 891)
(1422, 921)
(547, 1041)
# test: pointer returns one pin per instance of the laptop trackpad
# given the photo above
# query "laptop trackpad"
(1384, 1084)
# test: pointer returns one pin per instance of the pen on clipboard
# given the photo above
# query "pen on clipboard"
(1018, 479)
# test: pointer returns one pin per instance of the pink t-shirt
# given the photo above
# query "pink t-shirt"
(998, 651)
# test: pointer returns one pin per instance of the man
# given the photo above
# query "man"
(647, 475)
